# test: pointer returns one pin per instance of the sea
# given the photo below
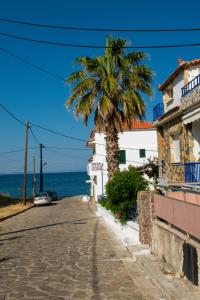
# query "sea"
(64, 184)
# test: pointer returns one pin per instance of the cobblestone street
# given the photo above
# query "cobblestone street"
(64, 251)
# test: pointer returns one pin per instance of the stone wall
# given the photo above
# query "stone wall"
(174, 172)
(161, 147)
(145, 212)
(192, 98)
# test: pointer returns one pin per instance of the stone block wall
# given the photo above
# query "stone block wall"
(145, 213)
(174, 172)
(192, 98)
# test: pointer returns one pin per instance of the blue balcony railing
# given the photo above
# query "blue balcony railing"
(158, 111)
(192, 172)
(191, 85)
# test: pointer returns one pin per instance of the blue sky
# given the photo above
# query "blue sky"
(34, 96)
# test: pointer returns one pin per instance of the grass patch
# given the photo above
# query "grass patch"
(10, 205)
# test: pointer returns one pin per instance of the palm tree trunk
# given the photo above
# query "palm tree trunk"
(112, 149)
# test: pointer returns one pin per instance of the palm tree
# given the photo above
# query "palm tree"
(112, 87)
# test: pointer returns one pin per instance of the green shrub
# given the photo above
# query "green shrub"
(122, 191)
(102, 201)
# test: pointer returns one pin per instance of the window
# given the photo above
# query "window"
(122, 156)
(169, 95)
(142, 153)
(175, 149)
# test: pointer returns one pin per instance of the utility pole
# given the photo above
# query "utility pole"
(25, 164)
(34, 177)
(41, 168)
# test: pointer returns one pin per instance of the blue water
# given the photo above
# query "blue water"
(65, 184)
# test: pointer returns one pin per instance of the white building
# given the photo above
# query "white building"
(136, 146)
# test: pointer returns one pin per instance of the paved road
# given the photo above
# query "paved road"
(63, 251)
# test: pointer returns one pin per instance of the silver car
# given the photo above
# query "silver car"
(42, 199)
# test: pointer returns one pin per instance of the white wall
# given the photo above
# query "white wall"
(196, 136)
(194, 71)
(135, 139)
(177, 84)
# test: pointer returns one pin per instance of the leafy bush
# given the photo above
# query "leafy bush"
(122, 192)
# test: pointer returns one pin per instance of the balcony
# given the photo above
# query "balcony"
(158, 111)
(191, 85)
(192, 172)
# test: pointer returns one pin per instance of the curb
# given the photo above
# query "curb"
(15, 214)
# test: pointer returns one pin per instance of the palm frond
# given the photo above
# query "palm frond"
(78, 75)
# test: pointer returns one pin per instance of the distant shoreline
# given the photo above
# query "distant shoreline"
(60, 172)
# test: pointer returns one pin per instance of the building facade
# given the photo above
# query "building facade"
(136, 146)
(177, 120)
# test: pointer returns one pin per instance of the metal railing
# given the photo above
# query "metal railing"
(191, 85)
(192, 171)
(158, 111)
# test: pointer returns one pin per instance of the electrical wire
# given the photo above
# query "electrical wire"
(66, 148)
(12, 115)
(95, 46)
(37, 67)
(10, 159)
(99, 29)
(33, 135)
(59, 133)
(15, 151)
(82, 140)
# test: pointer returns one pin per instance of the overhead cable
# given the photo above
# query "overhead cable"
(31, 64)
(62, 134)
(95, 46)
(98, 29)
(33, 135)
(13, 116)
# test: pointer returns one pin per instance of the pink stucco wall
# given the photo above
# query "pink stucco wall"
(182, 214)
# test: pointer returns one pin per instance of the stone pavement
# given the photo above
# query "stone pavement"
(64, 251)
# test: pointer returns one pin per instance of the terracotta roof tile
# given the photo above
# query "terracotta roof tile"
(137, 124)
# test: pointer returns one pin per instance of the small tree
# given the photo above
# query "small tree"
(150, 168)
(122, 191)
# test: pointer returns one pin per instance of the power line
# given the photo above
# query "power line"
(33, 135)
(12, 115)
(37, 67)
(95, 46)
(61, 134)
(98, 29)
(66, 148)
(81, 140)
(58, 133)
(15, 151)
(10, 159)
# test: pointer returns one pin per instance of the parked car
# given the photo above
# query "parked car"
(42, 199)
(53, 195)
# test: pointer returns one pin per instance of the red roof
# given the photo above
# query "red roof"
(137, 124)
(182, 65)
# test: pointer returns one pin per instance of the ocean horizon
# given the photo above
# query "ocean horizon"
(66, 184)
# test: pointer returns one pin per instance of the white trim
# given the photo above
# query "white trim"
(191, 116)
